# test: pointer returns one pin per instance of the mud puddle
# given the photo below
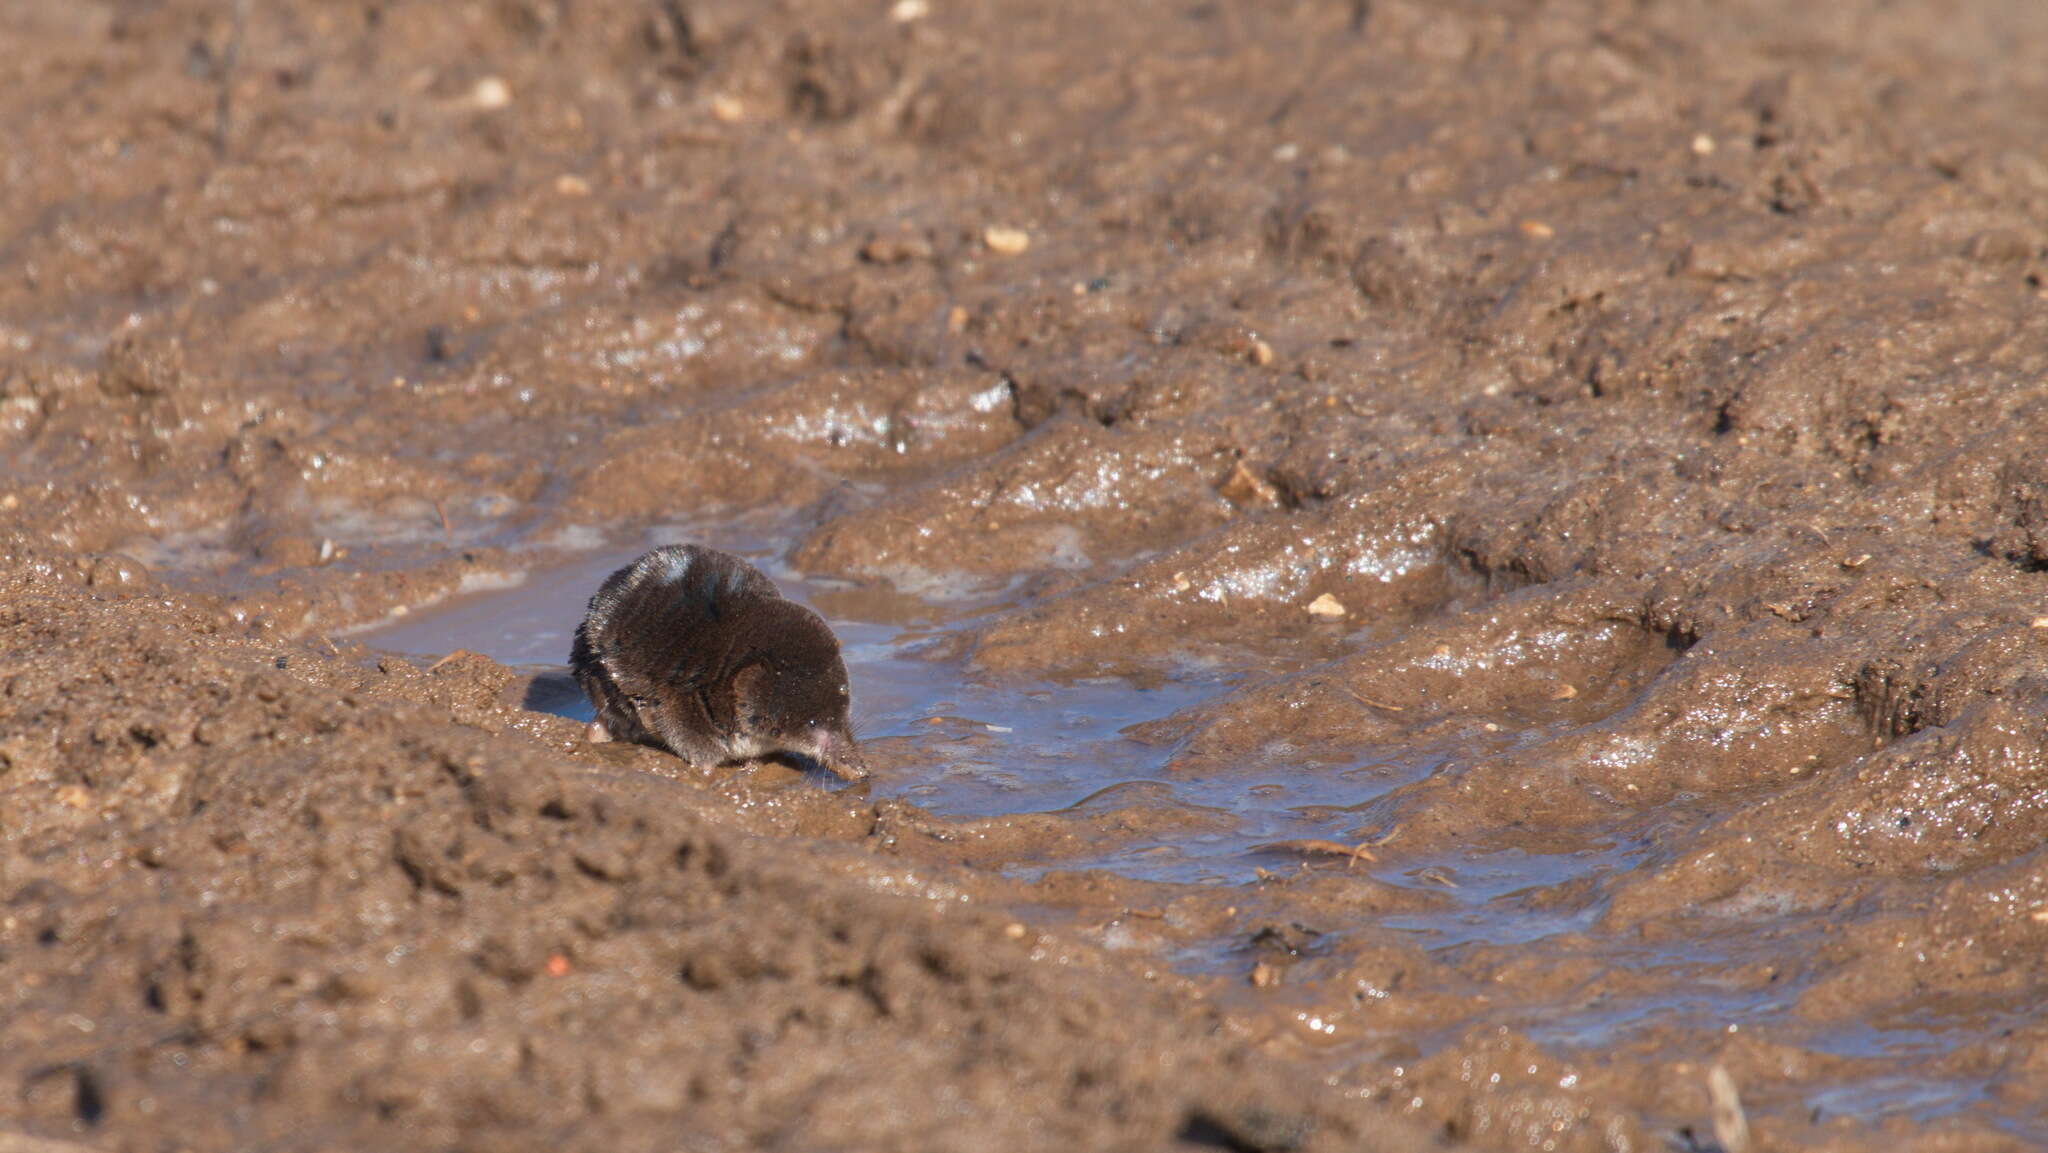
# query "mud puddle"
(977, 747)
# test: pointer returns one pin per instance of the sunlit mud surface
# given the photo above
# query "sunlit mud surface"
(1415, 572)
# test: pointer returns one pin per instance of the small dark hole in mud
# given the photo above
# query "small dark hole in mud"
(89, 1104)
(1251, 1131)
(555, 811)
(47, 937)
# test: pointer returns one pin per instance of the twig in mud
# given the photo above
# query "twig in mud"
(224, 98)
(446, 529)
(457, 655)
(332, 648)
(1437, 875)
(1317, 847)
(1731, 1124)
(1362, 699)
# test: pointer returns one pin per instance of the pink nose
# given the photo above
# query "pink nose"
(839, 754)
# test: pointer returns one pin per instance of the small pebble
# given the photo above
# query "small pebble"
(1564, 693)
(1537, 230)
(1703, 145)
(1327, 607)
(1244, 488)
(1261, 353)
(569, 184)
(490, 94)
(905, 11)
(726, 108)
(74, 796)
(558, 966)
(1014, 931)
(1006, 241)
(1264, 976)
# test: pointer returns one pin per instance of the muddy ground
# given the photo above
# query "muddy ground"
(1655, 391)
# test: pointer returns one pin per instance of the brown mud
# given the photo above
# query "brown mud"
(1648, 397)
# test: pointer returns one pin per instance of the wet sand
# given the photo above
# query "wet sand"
(1412, 573)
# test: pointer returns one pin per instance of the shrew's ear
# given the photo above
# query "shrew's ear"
(749, 687)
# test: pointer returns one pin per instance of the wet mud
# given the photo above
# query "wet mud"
(1413, 573)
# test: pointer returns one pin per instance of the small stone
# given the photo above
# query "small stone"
(1857, 561)
(1564, 693)
(570, 184)
(1244, 488)
(490, 94)
(895, 249)
(1265, 976)
(1014, 931)
(727, 108)
(1537, 230)
(1006, 241)
(2039, 623)
(905, 11)
(1702, 145)
(1326, 607)
(558, 965)
(956, 320)
(2039, 916)
(74, 796)
(1261, 353)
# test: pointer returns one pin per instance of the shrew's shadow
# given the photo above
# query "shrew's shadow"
(554, 691)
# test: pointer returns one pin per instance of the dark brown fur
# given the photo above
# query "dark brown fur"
(696, 651)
